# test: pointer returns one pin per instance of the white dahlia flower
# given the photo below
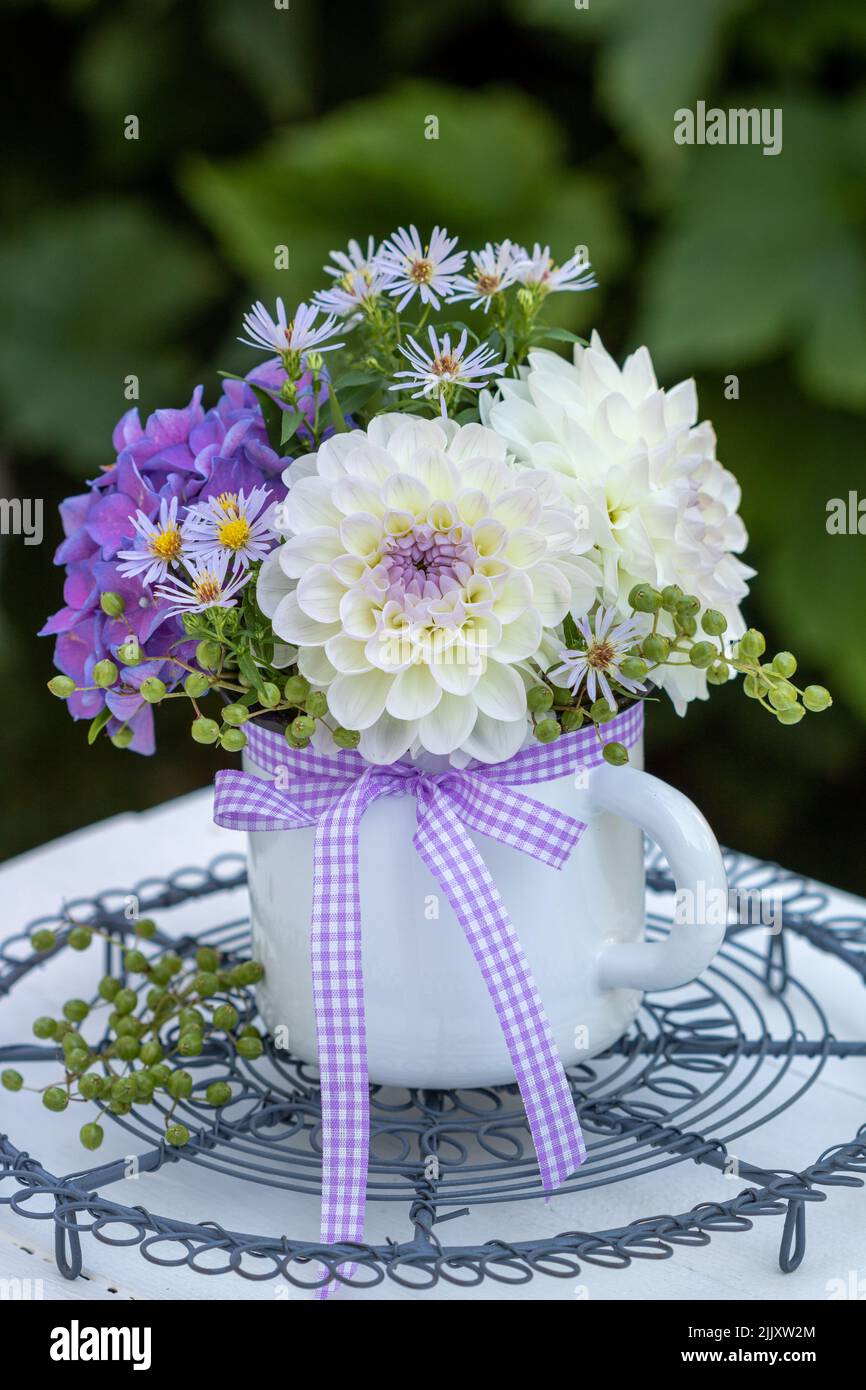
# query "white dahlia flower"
(642, 475)
(419, 571)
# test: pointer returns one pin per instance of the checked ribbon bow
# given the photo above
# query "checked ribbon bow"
(332, 793)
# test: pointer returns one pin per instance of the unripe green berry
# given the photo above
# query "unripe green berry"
(718, 673)
(120, 1107)
(817, 698)
(125, 1026)
(317, 704)
(539, 698)
(601, 711)
(233, 740)
(296, 689)
(196, 685)
(784, 663)
(790, 715)
(146, 928)
(225, 1017)
(80, 938)
(655, 647)
(177, 1135)
(755, 686)
(571, 719)
(144, 1087)
(645, 599)
(191, 1018)
(136, 962)
(207, 958)
(347, 738)
(161, 1074)
(123, 1090)
(633, 668)
(686, 624)
(782, 696)
(190, 1044)
(208, 655)
(205, 983)
(702, 655)
(250, 1048)
(129, 652)
(303, 727)
(179, 1085)
(55, 1099)
(91, 1086)
(45, 1027)
(548, 731)
(11, 1080)
(105, 674)
(713, 622)
(91, 1135)
(205, 730)
(152, 690)
(43, 940)
(688, 606)
(61, 686)
(752, 644)
(127, 1048)
(270, 695)
(125, 1001)
(235, 714)
(250, 972)
(112, 604)
(672, 594)
(123, 738)
(151, 1052)
(109, 988)
(615, 753)
(76, 1010)
(218, 1093)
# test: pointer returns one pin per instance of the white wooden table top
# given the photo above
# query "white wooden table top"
(123, 850)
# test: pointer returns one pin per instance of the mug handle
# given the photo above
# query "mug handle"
(690, 847)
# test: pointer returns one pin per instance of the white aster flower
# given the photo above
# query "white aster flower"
(431, 272)
(232, 524)
(540, 271)
(207, 586)
(493, 272)
(159, 545)
(437, 372)
(648, 491)
(607, 643)
(299, 334)
(359, 279)
(418, 572)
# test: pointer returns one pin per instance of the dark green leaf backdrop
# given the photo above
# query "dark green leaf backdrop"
(262, 125)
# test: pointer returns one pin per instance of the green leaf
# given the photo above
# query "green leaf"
(543, 333)
(98, 724)
(273, 416)
(335, 413)
(89, 296)
(774, 264)
(291, 423)
(570, 633)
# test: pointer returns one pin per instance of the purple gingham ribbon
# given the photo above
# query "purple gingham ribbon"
(332, 793)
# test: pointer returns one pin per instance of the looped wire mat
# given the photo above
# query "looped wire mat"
(701, 1072)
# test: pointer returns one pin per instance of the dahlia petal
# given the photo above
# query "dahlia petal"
(524, 548)
(357, 701)
(495, 740)
(316, 547)
(361, 533)
(387, 740)
(294, 625)
(346, 654)
(309, 506)
(447, 726)
(500, 693)
(319, 593)
(520, 639)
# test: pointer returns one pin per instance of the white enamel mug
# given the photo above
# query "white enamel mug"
(430, 1020)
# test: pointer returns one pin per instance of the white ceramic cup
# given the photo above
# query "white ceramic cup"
(430, 1020)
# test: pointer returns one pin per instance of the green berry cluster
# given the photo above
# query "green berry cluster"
(163, 1010)
(230, 658)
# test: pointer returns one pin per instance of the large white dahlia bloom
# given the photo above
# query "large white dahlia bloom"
(642, 475)
(418, 572)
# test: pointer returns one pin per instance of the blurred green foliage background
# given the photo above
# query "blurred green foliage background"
(261, 125)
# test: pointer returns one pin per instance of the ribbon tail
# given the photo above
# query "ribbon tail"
(243, 801)
(338, 991)
(442, 842)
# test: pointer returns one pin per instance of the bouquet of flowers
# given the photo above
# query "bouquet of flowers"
(399, 535)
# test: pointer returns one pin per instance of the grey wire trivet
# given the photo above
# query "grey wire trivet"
(698, 1072)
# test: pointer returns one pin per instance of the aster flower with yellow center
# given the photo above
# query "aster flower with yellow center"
(233, 525)
(207, 585)
(160, 545)
(607, 645)
(429, 271)
(439, 373)
(493, 272)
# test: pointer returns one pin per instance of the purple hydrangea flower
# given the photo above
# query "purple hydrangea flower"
(189, 454)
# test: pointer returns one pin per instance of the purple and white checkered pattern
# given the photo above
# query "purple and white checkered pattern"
(333, 793)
